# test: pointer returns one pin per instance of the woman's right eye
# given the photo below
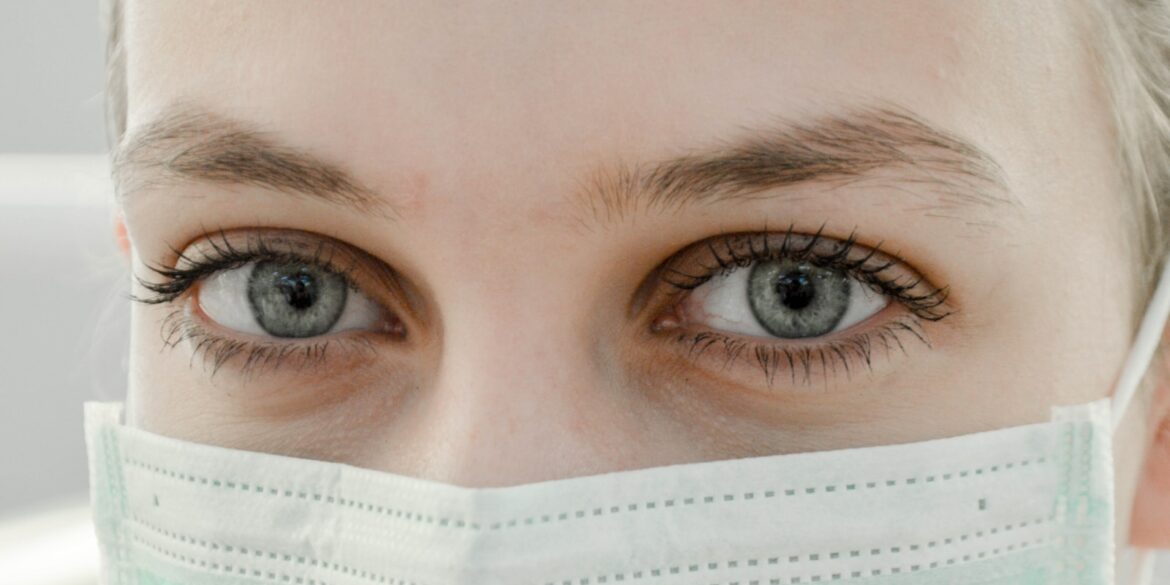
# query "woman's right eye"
(286, 299)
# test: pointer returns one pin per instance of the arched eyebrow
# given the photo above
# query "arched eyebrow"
(882, 143)
(189, 143)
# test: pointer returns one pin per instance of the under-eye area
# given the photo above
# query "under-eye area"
(802, 305)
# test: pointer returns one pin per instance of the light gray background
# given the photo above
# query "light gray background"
(62, 284)
(65, 320)
(57, 266)
(51, 76)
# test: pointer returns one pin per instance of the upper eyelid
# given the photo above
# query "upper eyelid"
(909, 286)
(211, 257)
(368, 272)
(178, 280)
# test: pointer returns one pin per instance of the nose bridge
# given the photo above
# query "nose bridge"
(511, 403)
(516, 397)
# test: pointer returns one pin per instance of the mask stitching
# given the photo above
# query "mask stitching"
(417, 517)
(245, 571)
(308, 561)
(773, 561)
(1024, 546)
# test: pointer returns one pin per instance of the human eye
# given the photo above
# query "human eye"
(285, 299)
(268, 297)
(807, 303)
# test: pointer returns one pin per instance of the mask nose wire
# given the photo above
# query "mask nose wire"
(1148, 336)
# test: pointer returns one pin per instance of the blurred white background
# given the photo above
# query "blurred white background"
(63, 294)
(62, 285)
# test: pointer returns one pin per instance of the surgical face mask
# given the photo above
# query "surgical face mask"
(1024, 505)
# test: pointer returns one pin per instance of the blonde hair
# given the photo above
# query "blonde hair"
(1129, 40)
(1132, 50)
(115, 73)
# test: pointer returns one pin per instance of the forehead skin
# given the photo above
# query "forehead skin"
(478, 121)
(373, 84)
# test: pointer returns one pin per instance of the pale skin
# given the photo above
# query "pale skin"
(519, 349)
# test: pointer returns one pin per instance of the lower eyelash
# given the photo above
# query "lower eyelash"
(216, 350)
(802, 362)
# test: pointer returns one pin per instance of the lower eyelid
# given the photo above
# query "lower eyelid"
(802, 363)
(889, 313)
(214, 348)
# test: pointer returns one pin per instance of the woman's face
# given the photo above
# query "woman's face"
(491, 246)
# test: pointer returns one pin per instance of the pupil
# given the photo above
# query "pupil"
(299, 290)
(795, 290)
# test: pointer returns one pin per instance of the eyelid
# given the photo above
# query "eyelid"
(917, 299)
(217, 346)
(214, 253)
(221, 250)
(887, 274)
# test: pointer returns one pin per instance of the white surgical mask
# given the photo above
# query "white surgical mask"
(1024, 505)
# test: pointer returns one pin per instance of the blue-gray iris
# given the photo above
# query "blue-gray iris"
(795, 300)
(294, 299)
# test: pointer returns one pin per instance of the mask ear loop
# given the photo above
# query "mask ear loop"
(1143, 567)
(1146, 343)
(1148, 337)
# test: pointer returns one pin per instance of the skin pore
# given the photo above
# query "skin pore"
(520, 191)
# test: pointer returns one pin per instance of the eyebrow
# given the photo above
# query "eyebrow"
(189, 143)
(836, 150)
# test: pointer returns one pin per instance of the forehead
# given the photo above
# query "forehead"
(514, 99)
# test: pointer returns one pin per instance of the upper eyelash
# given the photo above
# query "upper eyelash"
(927, 304)
(726, 252)
(224, 256)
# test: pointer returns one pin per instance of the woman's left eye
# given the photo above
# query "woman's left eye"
(782, 298)
(286, 299)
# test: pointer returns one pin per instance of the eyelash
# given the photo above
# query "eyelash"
(925, 305)
(724, 254)
(216, 349)
(224, 256)
(728, 252)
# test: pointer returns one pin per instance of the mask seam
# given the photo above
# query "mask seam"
(579, 513)
(1029, 544)
(117, 492)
